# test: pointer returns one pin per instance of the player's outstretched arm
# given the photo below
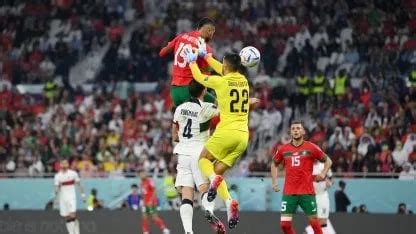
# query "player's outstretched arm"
(215, 64)
(212, 62)
(208, 81)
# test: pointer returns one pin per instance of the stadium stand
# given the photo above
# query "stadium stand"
(346, 67)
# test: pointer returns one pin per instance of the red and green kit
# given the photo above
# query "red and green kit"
(298, 189)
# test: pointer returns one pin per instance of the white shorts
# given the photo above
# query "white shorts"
(189, 174)
(67, 206)
(322, 203)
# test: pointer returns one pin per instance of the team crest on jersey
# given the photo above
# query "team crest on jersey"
(206, 78)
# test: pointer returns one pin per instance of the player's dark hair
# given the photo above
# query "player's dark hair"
(134, 186)
(233, 60)
(196, 89)
(205, 21)
(298, 122)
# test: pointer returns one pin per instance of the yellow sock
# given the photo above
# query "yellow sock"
(223, 191)
(207, 168)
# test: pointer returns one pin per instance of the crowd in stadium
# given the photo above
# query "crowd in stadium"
(362, 112)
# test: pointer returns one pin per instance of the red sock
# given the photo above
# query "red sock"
(145, 225)
(316, 226)
(287, 227)
(159, 222)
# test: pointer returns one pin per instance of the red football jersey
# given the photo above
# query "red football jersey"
(298, 163)
(148, 192)
(181, 74)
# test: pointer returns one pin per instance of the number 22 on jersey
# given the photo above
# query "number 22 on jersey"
(180, 52)
(235, 105)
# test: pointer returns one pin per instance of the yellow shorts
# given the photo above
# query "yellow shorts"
(227, 145)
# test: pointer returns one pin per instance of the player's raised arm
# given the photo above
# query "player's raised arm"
(207, 81)
(212, 62)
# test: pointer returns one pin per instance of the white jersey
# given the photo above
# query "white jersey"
(192, 118)
(320, 187)
(66, 182)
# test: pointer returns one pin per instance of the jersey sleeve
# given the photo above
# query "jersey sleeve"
(208, 111)
(213, 82)
(172, 43)
(317, 153)
(278, 156)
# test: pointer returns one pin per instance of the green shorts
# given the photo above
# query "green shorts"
(306, 202)
(149, 210)
(180, 94)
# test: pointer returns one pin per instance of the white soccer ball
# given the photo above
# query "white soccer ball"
(250, 56)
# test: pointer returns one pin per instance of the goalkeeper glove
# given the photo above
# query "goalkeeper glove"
(202, 47)
(190, 56)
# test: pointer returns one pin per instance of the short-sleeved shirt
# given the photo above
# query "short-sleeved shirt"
(181, 74)
(191, 118)
(66, 182)
(148, 192)
(298, 162)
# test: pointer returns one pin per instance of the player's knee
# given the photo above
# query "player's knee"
(187, 201)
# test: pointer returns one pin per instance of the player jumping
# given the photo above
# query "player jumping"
(149, 205)
(188, 129)
(65, 181)
(322, 200)
(230, 138)
(298, 158)
(181, 74)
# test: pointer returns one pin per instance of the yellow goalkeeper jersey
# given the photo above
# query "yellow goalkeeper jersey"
(232, 92)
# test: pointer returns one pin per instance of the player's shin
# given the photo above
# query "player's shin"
(223, 192)
(286, 225)
(76, 227)
(316, 226)
(70, 225)
(186, 211)
(145, 225)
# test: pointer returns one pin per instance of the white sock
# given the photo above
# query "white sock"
(206, 204)
(187, 212)
(76, 227)
(70, 227)
(228, 202)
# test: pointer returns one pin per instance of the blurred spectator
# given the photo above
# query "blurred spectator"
(170, 192)
(362, 209)
(6, 206)
(408, 172)
(402, 209)
(93, 203)
(341, 199)
(133, 200)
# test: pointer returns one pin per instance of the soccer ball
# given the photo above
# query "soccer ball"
(250, 56)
